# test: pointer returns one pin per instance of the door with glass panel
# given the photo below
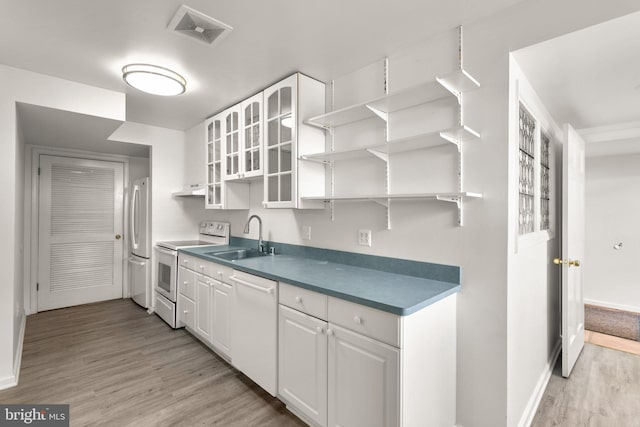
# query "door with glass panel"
(80, 228)
(280, 182)
(251, 144)
(214, 162)
(231, 140)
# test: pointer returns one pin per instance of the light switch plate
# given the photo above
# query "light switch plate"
(364, 237)
(306, 232)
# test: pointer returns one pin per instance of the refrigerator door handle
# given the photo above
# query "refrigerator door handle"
(132, 217)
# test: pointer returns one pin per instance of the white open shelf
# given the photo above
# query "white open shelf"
(448, 197)
(442, 87)
(399, 145)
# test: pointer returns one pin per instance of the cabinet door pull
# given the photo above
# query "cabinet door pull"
(329, 332)
(299, 300)
(319, 329)
(357, 319)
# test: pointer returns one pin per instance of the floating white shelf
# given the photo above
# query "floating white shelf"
(442, 87)
(447, 197)
(399, 145)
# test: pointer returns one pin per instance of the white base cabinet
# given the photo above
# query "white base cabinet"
(348, 365)
(205, 302)
(221, 317)
(203, 307)
(364, 378)
(302, 381)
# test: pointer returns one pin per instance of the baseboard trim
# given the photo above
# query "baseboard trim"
(17, 357)
(536, 397)
(12, 380)
(615, 306)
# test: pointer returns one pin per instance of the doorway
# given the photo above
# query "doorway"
(80, 229)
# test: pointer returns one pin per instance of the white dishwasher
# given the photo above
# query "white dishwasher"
(254, 337)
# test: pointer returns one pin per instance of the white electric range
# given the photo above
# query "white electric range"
(212, 233)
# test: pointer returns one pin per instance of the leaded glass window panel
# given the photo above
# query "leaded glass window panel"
(526, 178)
(544, 181)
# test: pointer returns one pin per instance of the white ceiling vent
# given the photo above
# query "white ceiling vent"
(198, 26)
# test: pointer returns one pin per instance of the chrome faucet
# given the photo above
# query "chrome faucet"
(246, 231)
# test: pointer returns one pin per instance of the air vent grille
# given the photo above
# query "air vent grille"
(198, 26)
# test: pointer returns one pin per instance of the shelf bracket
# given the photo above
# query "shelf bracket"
(449, 138)
(453, 199)
(382, 114)
(379, 154)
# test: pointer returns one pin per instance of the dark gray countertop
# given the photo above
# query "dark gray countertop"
(391, 292)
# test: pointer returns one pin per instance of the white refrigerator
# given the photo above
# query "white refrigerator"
(139, 243)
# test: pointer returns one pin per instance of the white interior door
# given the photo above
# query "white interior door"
(573, 228)
(80, 228)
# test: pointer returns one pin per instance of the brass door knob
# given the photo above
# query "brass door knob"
(118, 237)
(570, 262)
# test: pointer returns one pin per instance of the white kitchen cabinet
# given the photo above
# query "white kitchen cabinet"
(252, 135)
(221, 316)
(302, 373)
(186, 312)
(287, 137)
(221, 194)
(242, 130)
(364, 377)
(254, 337)
(204, 286)
(231, 140)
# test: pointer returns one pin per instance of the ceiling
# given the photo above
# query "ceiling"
(90, 41)
(591, 79)
(65, 129)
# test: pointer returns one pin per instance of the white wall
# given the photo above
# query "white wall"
(612, 206)
(32, 88)
(138, 167)
(489, 392)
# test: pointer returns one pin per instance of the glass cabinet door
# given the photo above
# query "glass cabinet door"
(280, 150)
(252, 136)
(232, 141)
(214, 163)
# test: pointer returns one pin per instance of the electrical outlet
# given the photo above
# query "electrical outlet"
(364, 237)
(306, 232)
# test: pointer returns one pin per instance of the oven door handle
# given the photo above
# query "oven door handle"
(166, 251)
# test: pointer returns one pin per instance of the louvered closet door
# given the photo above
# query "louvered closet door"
(80, 231)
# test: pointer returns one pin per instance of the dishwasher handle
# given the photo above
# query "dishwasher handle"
(252, 286)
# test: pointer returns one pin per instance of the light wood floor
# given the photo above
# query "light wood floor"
(602, 391)
(118, 366)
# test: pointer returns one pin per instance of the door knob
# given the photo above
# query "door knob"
(569, 262)
(118, 237)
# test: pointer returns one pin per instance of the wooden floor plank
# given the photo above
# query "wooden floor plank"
(117, 365)
(603, 390)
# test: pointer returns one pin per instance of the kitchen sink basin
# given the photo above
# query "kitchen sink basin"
(237, 254)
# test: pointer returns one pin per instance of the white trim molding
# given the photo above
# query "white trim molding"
(534, 401)
(12, 380)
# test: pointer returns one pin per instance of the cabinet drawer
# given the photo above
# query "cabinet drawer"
(204, 267)
(187, 261)
(187, 282)
(186, 315)
(376, 324)
(304, 300)
(221, 273)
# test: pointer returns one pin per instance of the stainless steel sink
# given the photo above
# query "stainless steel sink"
(237, 254)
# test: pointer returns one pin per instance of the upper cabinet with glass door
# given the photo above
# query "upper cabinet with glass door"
(213, 127)
(243, 139)
(220, 193)
(252, 131)
(287, 179)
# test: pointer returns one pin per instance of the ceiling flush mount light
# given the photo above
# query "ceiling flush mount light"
(153, 79)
